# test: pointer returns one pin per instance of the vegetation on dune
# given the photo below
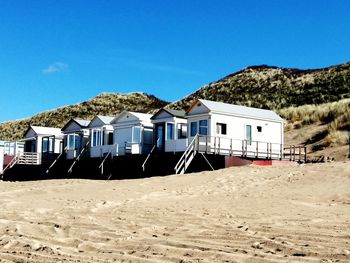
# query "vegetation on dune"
(335, 115)
(275, 88)
(104, 104)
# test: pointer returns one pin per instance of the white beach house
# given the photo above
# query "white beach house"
(133, 132)
(227, 128)
(101, 136)
(170, 130)
(44, 142)
(76, 136)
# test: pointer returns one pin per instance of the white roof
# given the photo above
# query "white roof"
(141, 116)
(105, 119)
(82, 123)
(232, 109)
(46, 131)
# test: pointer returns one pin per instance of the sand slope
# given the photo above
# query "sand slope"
(247, 214)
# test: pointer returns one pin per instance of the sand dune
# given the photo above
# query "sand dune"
(247, 214)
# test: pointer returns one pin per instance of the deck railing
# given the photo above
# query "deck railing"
(29, 158)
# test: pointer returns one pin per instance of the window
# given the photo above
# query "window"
(221, 128)
(181, 130)
(259, 128)
(170, 131)
(136, 134)
(248, 134)
(193, 128)
(70, 142)
(203, 127)
(96, 137)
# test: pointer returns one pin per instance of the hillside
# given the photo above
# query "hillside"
(103, 104)
(276, 88)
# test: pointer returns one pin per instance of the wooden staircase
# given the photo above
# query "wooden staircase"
(187, 157)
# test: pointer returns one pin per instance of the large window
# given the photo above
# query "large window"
(96, 138)
(136, 134)
(70, 142)
(203, 127)
(193, 128)
(170, 131)
(221, 128)
(248, 134)
(73, 141)
(181, 130)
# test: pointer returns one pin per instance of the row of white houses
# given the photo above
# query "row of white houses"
(220, 126)
(217, 127)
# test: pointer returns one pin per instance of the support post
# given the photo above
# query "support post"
(257, 149)
(230, 147)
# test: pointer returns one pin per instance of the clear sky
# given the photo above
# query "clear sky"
(55, 53)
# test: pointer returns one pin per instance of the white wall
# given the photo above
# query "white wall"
(270, 136)
(1, 159)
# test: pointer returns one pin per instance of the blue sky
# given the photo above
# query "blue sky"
(55, 53)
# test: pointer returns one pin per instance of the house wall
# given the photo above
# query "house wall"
(269, 139)
(177, 144)
(100, 150)
(1, 159)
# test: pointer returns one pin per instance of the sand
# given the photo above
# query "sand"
(245, 214)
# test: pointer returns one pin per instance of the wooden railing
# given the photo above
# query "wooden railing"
(101, 166)
(55, 161)
(82, 152)
(187, 156)
(149, 155)
(9, 165)
(29, 158)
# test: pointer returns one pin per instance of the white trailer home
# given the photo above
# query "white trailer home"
(170, 130)
(133, 132)
(42, 142)
(236, 130)
(101, 136)
(76, 136)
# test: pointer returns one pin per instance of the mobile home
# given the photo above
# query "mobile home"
(223, 127)
(76, 136)
(133, 132)
(44, 141)
(101, 136)
(170, 130)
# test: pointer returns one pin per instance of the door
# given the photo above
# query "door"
(160, 136)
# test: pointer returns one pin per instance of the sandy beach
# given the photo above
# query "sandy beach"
(244, 214)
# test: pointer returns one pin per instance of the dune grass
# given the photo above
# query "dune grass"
(335, 115)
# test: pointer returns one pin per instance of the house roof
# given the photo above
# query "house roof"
(82, 123)
(105, 119)
(39, 130)
(139, 115)
(175, 113)
(238, 110)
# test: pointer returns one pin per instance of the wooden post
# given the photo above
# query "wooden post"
(219, 146)
(206, 144)
(230, 147)
(214, 145)
(242, 148)
(257, 149)
(299, 153)
(294, 153)
(305, 154)
(290, 153)
(281, 151)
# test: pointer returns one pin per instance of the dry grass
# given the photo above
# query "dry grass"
(335, 115)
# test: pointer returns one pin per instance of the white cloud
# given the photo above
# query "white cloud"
(55, 68)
